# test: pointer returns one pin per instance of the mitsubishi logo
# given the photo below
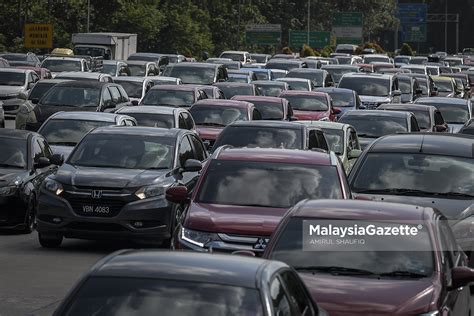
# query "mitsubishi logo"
(96, 194)
(260, 244)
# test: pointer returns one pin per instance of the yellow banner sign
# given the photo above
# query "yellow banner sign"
(38, 36)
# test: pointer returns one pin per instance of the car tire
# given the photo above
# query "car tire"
(50, 241)
(30, 218)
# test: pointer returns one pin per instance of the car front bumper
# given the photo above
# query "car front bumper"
(12, 211)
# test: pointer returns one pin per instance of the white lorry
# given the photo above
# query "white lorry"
(116, 46)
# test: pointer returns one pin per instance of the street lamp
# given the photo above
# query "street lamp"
(88, 14)
(309, 20)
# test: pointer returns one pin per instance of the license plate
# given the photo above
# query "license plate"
(95, 209)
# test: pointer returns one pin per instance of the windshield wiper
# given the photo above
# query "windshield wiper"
(336, 270)
(211, 124)
(408, 274)
(63, 143)
(367, 136)
(5, 165)
(457, 194)
(395, 191)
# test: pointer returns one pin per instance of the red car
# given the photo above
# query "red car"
(311, 106)
(407, 274)
(212, 115)
(243, 193)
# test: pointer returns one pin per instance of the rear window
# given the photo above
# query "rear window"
(375, 126)
(307, 103)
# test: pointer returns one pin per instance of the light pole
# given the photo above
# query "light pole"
(309, 21)
(88, 14)
(446, 26)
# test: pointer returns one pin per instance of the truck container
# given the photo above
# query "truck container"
(108, 45)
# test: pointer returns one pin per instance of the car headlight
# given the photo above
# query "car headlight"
(53, 186)
(151, 191)
(434, 313)
(324, 119)
(197, 238)
(8, 191)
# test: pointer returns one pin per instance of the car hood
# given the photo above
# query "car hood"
(310, 115)
(451, 208)
(234, 219)
(62, 150)
(6, 90)
(108, 177)
(346, 295)
(8, 176)
(209, 133)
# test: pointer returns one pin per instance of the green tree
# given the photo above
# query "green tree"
(406, 50)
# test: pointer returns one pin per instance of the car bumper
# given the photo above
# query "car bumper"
(139, 220)
(12, 211)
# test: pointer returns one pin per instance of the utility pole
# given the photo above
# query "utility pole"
(309, 21)
(238, 27)
(88, 14)
(446, 26)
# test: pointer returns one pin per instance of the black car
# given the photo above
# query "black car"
(77, 96)
(25, 160)
(113, 185)
(272, 134)
(184, 283)
(426, 169)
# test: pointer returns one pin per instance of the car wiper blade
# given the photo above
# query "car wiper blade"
(211, 124)
(394, 191)
(458, 194)
(5, 165)
(63, 143)
(367, 136)
(336, 270)
(408, 274)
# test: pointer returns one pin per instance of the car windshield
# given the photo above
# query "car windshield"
(146, 296)
(267, 184)
(109, 69)
(153, 120)
(169, 97)
(420, 172)
(335, 139)
(13, 153)
(307, 103)
(193, 75)
(282, 65)
(59, 65)
(402, 60)
(423, 118)
(454, 113)
(342, 99)
(231, 90)
(243, 136)
(343, 60)
(374, 126)
(377, 87)
(260, 59)
(316, 77)
(289, 249)
(234, 57)
(262, 75)
(15, 57)
(12, 79)
(269, 110)
(380, 59)
(214, 115)
(137, 70)
(68, 132)
(238, 78)
(269, 90)
(298, 85)
(124, 151)
(89, 51)
(417, 70)
(405, 86)
(423, 84)
(39, 90)
(71, 96)
(444, 85)
(337, 73)
(418, 61)
(134, 89)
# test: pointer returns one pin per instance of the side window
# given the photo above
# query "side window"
(221, 95)
(106, 97)
(256, 115)
(185, 151)
(123, 93)
(439, 120)
(414, 125)
(313, 140)
(323, 144)
(181, 122)
(188, 120)
(297, 294)
(353, 141)
(199, 150)
(280, 302)
(449, 241)
(116, 97)
(37, 150)
(31, 78)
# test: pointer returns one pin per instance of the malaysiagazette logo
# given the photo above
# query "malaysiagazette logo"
(366, 230)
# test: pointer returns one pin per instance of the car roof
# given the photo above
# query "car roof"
(131, 78)
(82, 84)
(113, 61)
(53, 81)
(178, 87)
(335, 90)
(196, 65)
(257, 98)
(16, 70)
(339, 66)
(267, 123)
(370, 75)
(232, 84)
(241, 271)
(289, 79)
(63, 58)
(362, 210)
(86, 116)
(139, 62)
(80, 74)
(148, 109)
(269, 83)
(325, 124)
(384, 113)
(307, 70)
(303, 93)
(441, 100)
(224, 102)
(446, 144)
(290, 156)
(406, 107)
(15, 133)
(138, 131)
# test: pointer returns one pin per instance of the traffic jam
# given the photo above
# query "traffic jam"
(257, 184)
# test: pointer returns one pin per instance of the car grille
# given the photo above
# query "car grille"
(11, 107)
(370, 105)
(6, 97)
(114, 204)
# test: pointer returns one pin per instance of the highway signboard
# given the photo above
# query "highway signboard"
(347, 27)
(263, 34)
(38, 36)
(317, 39)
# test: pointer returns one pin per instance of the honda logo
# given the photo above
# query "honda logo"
(96, 194)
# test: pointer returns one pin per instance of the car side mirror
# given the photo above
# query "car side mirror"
(192, 165)
(42, 162)
(134, 102)
(461, 276)
(354, 153)
(434, 92)
(440, 128)
(108, 105)
(293, 118)
(57, 159)
(396, 93)
(418, 91)
(207, 145)
(178, 194)
(31, 85)
(336, 110)
(221, 80)
(362, 107)
(22, 96)
(34, 100)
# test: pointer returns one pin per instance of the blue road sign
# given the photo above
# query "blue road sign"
(412, 12)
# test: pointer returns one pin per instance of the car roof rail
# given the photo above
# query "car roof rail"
(216, 153)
